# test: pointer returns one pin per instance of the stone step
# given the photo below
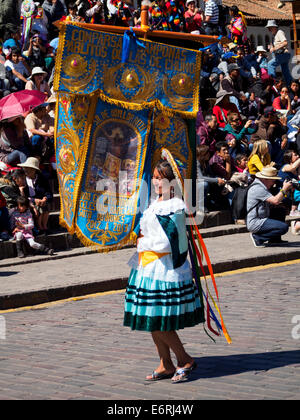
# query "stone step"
(63, 241)
(217, 218)
(212, 219)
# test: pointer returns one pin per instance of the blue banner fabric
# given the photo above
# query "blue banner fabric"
(162, 75)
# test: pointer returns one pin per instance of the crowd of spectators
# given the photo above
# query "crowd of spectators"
(249, 115)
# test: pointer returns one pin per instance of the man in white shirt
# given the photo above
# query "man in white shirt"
(280, 53)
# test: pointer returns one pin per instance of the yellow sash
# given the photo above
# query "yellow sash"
(147, 257)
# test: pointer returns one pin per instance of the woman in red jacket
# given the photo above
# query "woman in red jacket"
(223, 107)
(283, 102)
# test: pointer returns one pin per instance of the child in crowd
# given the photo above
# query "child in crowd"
(239, 131)
(17, 68)
(261, 59)
(259, 157)
(241, 165)
(241, 162)
(72, 16)
(22, 225)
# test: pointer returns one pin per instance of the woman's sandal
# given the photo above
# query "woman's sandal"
(155, 376)
(183, 374)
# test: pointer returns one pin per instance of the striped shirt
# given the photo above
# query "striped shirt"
(212, 10)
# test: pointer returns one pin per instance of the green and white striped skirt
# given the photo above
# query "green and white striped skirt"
(158, 305)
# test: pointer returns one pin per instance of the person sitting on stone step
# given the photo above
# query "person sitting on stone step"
(22, 224)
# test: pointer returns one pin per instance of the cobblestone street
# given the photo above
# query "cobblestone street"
(78, 349)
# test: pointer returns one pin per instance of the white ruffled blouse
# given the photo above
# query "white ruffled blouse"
(155, 239)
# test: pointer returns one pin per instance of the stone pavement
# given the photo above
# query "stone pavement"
(80, 350)
(81, 271)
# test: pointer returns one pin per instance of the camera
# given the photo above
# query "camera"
(295, 183)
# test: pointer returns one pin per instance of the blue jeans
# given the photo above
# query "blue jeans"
(17, 156)
(211, 28)
(281, 60)
(19, 83)
(271, 229)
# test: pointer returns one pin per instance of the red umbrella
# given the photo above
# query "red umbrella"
(18, 103)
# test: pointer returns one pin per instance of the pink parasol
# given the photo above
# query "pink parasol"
(18, 103)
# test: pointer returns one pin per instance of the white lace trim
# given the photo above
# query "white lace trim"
(166, 207)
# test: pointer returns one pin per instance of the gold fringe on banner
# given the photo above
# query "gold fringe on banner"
(137, 106)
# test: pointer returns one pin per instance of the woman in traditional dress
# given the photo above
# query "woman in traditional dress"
(238, 26)
(161, 296)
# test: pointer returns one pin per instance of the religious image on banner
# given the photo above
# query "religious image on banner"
(115, 151)
(112, 177)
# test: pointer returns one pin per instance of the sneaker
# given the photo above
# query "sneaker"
(256, 243)
(293, 228)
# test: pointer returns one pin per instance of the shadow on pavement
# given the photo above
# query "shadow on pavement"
(8, 273)
(216, 366)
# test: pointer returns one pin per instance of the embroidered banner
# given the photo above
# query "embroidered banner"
(102, 193)
(112, 120)
(161, 75)
(74, 115)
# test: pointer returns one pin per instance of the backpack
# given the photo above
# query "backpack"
(239, 203)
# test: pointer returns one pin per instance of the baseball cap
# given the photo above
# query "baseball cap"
(233, 66)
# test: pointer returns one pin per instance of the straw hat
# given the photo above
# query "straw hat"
(31, 162)
(268, 172)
